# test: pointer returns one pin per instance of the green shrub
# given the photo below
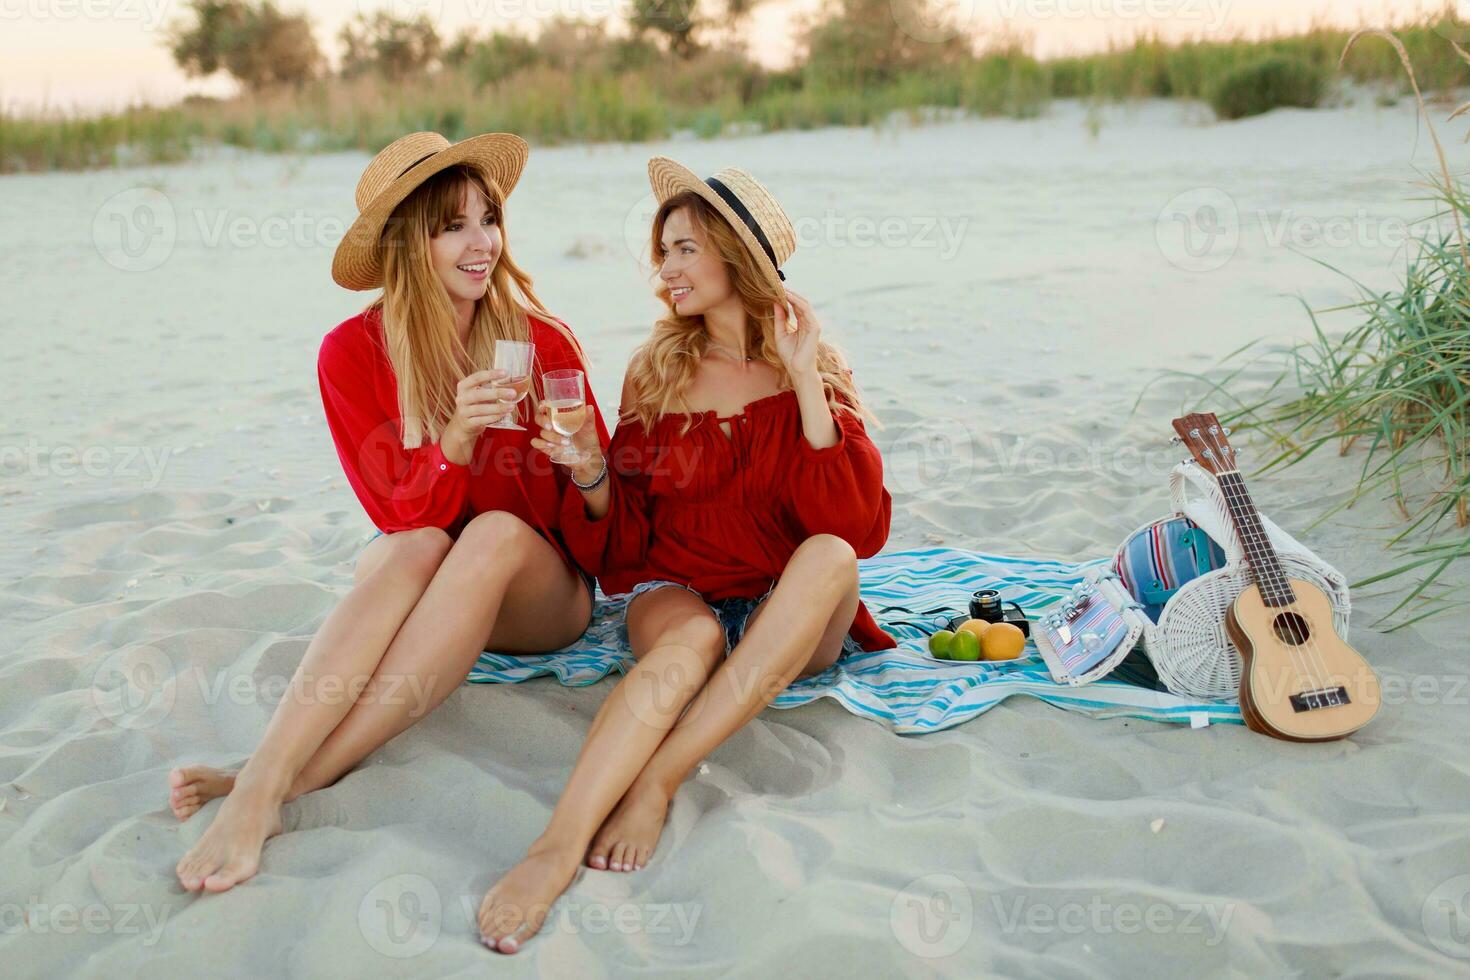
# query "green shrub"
(1268, 84)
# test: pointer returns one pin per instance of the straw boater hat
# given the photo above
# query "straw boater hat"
(740, 198)
(395, 172)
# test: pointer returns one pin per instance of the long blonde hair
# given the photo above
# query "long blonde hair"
(422, 343)
(662, 368)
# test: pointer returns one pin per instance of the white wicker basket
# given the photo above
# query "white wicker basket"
(1188, 645)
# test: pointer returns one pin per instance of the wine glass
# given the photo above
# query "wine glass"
(514, 358)
(566, 400)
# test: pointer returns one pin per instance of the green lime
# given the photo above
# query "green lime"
(964, 646)
(940, 644)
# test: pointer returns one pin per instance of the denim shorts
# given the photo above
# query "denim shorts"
(733, 613)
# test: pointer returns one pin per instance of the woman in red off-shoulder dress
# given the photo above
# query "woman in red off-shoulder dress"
(743, 489)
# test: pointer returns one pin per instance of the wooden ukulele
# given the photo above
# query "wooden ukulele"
(1300, 681)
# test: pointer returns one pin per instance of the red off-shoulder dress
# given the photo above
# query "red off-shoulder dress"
(723, 514)
(402, 489)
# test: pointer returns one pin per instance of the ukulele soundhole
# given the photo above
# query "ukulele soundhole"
(1291, 629)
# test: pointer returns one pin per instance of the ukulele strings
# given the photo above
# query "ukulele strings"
(1311, 652)
(1312, 655)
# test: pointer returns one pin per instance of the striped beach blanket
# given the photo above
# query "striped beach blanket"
(903, 689)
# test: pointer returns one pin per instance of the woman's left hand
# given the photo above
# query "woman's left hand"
(796, 340)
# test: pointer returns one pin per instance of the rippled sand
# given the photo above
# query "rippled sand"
(1005, 290)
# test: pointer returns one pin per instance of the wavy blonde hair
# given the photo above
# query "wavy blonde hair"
(417, 315)
(662, 368)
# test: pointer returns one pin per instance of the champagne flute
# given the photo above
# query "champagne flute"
(514, 358)
(566, 400)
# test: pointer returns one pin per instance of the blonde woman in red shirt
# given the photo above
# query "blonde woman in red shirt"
(745, 487)
(470, 553)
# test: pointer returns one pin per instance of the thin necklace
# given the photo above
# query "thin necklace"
(735, 354)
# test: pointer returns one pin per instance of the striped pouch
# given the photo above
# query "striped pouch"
(1155, 560)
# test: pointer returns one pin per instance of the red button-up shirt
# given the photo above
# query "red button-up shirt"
(402, 489)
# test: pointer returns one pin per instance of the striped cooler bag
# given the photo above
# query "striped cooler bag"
(1155, 560)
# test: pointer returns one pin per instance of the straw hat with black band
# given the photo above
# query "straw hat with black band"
(743, 202)
(397, 170)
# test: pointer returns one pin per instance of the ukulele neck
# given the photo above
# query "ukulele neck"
(1276, 591)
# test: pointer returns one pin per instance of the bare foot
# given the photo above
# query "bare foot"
(516, 906)
(229, 851)
(630, 833)
(194, 786)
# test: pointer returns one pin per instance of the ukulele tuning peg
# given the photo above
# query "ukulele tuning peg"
(1175, 441)
(1227, 430)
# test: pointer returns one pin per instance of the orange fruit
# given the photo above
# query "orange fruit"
(1002, 641)
(976, 626)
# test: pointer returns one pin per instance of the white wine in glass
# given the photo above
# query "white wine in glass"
(566, 401)
(514, 358)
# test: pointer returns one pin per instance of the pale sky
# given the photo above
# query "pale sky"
(94, 54)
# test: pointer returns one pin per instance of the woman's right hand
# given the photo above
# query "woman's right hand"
(478, 402)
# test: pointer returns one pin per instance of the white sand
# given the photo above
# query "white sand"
(206, 530)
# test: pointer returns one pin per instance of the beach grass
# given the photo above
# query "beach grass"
(615, 89)
(1396, 387)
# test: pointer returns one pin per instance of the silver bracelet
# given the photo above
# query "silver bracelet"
(599, 481)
